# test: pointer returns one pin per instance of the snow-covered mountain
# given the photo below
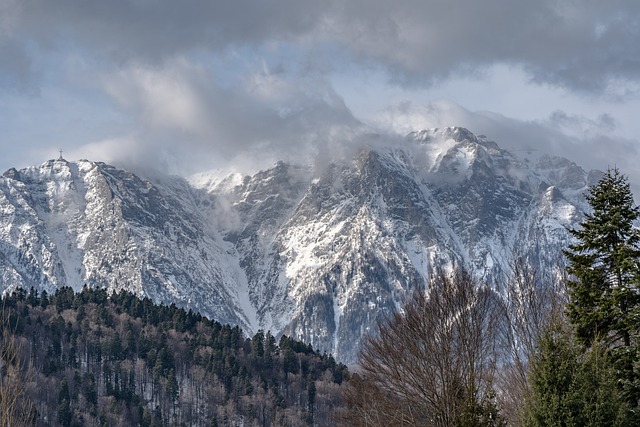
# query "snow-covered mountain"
(318, 253)
(76, 223)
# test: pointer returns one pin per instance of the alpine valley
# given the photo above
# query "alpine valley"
(317, 253)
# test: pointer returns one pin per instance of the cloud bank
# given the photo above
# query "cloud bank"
(196, 84)
(589, 45)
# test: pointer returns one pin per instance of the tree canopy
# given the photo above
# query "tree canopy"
(433, 363)
(604, 273)
(99, 359)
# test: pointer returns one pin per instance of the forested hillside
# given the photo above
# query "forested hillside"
(95, 359)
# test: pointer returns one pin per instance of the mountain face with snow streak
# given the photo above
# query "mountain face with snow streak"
(318, 254)
(80, 223)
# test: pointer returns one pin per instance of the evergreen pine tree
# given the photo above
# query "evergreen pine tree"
(311, 394)
(605, 272)
(65, 415)
(63, 391)
(571, 387)
(89, 389)
(172, 386)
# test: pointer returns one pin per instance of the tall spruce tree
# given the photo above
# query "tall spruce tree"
(604, 274)
(571, 387)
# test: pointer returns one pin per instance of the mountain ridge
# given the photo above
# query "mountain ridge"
(317, 254)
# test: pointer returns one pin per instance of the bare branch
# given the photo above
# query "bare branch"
(432, 364)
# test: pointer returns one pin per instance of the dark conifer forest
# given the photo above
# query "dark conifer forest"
(117, 360)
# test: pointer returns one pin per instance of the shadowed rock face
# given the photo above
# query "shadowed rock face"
(318, 254)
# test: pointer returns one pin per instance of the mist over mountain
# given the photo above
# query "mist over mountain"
(315, 252)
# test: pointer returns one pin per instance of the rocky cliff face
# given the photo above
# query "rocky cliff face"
(80, 223)
(318, 254)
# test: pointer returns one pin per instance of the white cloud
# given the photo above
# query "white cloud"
(163, 98)
(273, 116)
(112, 150)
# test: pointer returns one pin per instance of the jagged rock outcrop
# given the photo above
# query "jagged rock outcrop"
(320, 254)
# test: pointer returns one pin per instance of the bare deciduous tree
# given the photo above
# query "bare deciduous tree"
(432, 364)
(533, 300)
(15, 405)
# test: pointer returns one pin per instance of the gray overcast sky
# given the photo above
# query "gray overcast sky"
(198, 84)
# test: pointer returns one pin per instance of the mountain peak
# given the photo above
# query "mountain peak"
(317, 254)
(457, 134)
(11, 173)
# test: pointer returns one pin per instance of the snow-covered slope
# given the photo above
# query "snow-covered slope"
(319, 254)
(328, 253)
(80, 223)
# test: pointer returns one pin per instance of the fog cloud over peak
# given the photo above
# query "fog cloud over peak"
(583, 140)
(268, 115)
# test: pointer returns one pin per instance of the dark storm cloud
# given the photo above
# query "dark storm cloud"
(590, 45)
(578, 44)
(148, 30)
